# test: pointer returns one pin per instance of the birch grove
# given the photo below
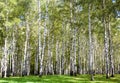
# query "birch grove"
(59, 37)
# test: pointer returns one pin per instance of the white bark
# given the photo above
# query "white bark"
(39, 38)
(63, 58)
(71, 51)
(110, 50)
(59, 62)
(5, 56)
(57, 57)
(28, 60)
(13, 51)
(74, 48)
(90, 45)
(79, 57)
(36, 62)
(26, 65)
(106, 41)
(44, 39)
(106, 52)
(49, 55)
(52, 70)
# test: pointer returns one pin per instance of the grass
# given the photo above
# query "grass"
(61, 79)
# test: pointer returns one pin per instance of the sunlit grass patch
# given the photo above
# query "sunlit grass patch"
(61, 79)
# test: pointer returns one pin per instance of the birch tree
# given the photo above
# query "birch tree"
(110, 48)
(71, 52)
(44, 40)
(106, 40)
(90, 43)
(26, 62)
(5, 55)
(13, 49)
(57, 57)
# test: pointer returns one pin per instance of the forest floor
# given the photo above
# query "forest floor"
(61, 79)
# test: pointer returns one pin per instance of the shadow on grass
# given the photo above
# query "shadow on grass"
(115, 79)
(31, 79)
(44, 79)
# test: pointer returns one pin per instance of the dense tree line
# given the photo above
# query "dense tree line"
(47, 37)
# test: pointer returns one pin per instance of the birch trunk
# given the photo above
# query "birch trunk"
(110, 50)
(63, 48)
(106, 41)
(36, 62)
(71, 51)
(52, 69)
(74, 55)
(57, 57)
(49, 57)
(5, 57)
(79, 58)
(71, 60)
(28, 60)
(26, 51)
(44, 39)
(2, 67)
(63, 58)
(90, 45)
(106, 51)
(13, 51)
(39, 38)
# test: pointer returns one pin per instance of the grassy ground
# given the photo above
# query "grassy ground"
(60, 79)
